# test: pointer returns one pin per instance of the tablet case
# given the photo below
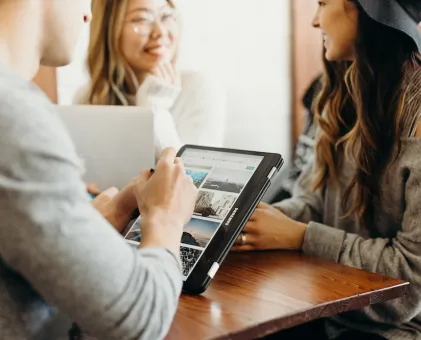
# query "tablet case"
(201, 288)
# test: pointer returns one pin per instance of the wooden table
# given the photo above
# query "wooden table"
(256, 294)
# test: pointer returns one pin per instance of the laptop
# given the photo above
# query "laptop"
(114, 142)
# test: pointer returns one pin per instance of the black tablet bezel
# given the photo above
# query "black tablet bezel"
(198, 280)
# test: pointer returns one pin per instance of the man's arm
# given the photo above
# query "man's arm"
(52, 236)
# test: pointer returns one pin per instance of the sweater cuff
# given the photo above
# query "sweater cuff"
(323, 241)
(156, 92)
(291, 208)
(161, 252)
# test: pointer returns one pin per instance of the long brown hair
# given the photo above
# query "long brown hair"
(360, 111)
(108, 69)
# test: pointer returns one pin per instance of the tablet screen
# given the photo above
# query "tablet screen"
(220, 177)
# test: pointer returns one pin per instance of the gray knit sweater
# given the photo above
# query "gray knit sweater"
(57, 253)
(396, 249)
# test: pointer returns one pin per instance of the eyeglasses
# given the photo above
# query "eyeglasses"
(145, 23)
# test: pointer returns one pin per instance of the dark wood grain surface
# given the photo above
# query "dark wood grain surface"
(256, 294)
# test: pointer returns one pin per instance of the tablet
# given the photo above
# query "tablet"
(231, 183)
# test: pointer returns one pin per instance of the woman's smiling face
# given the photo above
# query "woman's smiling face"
(338, 21)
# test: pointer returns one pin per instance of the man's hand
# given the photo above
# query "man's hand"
(166, 202)
(93, 189)
(118, 206)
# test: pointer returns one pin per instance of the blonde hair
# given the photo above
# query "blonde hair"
(108, 69)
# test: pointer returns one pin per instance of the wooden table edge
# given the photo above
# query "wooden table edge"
(296, 318)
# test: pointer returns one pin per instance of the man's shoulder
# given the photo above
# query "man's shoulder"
(19, 99)
(29, 122)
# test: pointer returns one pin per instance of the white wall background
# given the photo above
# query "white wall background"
(246, 45)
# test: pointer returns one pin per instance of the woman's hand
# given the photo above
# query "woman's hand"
(268, 229)
(167, 73)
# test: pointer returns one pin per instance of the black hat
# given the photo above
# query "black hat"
(402, 15)
(413, 7)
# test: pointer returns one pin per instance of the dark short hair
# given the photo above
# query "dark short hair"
(413, 8)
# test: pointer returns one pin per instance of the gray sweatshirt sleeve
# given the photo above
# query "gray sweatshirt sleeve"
(398, 257)
(52, 236)
(305, 205)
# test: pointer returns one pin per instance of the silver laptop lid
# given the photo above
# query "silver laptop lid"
(114, 142)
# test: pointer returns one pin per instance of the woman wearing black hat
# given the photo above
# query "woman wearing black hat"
(359, 203)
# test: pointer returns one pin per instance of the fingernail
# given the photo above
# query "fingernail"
(111, 192)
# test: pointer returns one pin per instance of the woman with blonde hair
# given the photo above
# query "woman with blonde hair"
(132, 61)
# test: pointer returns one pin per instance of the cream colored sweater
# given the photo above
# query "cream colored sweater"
(193, 113)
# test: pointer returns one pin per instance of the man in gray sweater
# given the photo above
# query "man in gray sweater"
(57, 252)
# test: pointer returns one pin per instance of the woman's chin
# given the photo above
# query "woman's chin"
(156, 59)
(145, 66)
(330, 56)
